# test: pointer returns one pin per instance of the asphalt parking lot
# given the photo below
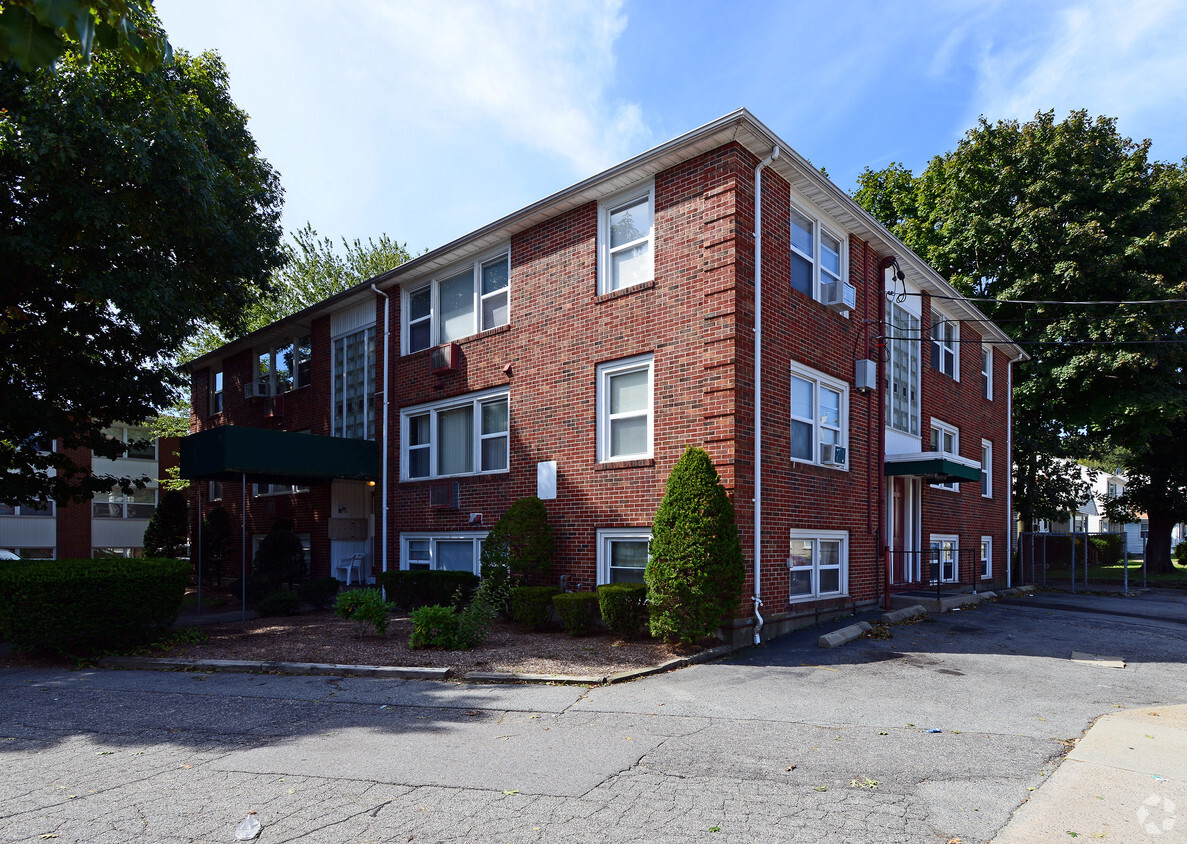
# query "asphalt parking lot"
(938, 733)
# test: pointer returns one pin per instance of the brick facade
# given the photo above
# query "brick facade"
(696, 318)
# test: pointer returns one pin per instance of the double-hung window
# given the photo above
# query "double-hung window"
(286, 367)
(625, 398)
(216, 391)
(442, 551)
(462, 302)
(987, 372)
(902, 394)
(626, 240)
(819, 413)
(945, 563)
(945, 345)
(986, 557)
(816, 255)
(469, 435)
(622, 554)
(945, 439)
(139, 443)
(819, 563)
(353, 400)
(278, 489)
(114, 504)
(986, 469)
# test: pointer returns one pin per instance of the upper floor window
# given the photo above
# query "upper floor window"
(43, 508)
(353, 399)
(986, 469)
(987, 372)
(945, 345)
(626, 240)
(816, 255)
(215, 491)
(818, 417)
(285, 367)
(114, 504)
(460, 436)
(467, 300)
(945, 439)
(277, 489)
(216, 391)
(625, 390)
(902, 371)
(139, 443)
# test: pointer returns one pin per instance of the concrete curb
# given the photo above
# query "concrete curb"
(620, 677)
(903, 614)
(244, 666)
(844, 635)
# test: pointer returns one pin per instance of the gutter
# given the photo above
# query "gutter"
(758, 391)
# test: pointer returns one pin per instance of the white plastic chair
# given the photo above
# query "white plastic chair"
(348, 564)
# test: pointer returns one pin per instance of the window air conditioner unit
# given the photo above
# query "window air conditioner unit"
(832, 455)
(447, 358)
(255, 390)
(839, 295)
(443, 495)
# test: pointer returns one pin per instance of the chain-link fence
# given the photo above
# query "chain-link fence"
(1078, 561)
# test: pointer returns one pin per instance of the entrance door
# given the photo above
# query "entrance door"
(351, 526)
(904, 533)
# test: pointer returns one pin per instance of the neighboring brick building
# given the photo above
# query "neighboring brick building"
(575, 348)
(112, 524)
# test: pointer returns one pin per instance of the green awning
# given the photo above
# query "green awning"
(937, 468)
(229, 452)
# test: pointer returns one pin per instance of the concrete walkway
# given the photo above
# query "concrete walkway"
(1126, 780)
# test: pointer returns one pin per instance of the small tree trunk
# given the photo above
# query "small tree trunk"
(1158, 544)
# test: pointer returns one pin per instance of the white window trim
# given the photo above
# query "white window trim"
(944, 347)
(987, 374)
(843, 577)
(216, 373)
(986, 557)
(944, 427)
(125, 501)
(911, 342)
(818, 380)
(434, 317)
(474, 400)
(820, 227)
(955, 540)
(605, 207)
(986, 469)
(16, 549)
(605, 371)
(434, 537)
(608, 535)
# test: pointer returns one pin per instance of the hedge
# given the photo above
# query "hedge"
(531, 605)
(576, 611)
(624, 607)
(84, 606)
(423, 588)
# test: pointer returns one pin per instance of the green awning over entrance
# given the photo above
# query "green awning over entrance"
(933, 466)
(231, 451)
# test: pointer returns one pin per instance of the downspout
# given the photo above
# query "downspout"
(387, 368)
(1010, 473)
(758, 392)
(881, 558)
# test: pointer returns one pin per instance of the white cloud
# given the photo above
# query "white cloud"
(534, 73)
(1123, 60)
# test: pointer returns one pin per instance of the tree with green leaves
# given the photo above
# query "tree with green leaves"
(169, 528)
(1040, 220)
(134, 209)
(695, 574)
(34, 34)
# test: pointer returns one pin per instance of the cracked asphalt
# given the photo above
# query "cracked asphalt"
(786, 742)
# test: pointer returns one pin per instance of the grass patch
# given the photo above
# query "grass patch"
(1116, 574)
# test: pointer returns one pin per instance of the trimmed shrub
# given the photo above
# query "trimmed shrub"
(280, 602)
(257, 588)
(83, 606)
(531, 605)
(623, 607)
(1181, 553)
(319, 592)
(696, 571)
(433, 627)
(1109, 548)
(421, 588)
(365, 606)
(169, 526)
(521, 541)
(576, 611)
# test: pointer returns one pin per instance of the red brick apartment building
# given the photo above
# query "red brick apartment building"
(112, 524)
(575, 348)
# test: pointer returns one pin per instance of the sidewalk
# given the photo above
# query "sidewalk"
(1125, 781)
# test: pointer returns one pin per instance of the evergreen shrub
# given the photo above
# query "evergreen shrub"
(365, 606)
(78, 607)
(623, 607)
(531, 606)
(521, 541)
(420, 587)
(576, 611)
(1109, 548)
(319, 592)
(280, 602)
(695, 575)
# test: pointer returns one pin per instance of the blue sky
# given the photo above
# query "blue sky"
(426, 120)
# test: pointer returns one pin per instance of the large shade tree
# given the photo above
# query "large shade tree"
(1053, 223)
(134, 209)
